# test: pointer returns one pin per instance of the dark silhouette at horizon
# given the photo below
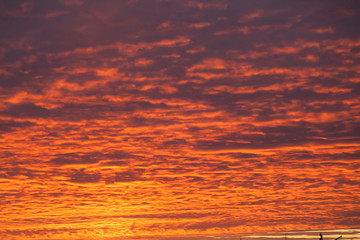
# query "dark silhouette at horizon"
(321, 237)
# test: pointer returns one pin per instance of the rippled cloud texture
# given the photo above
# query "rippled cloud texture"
(179, 117)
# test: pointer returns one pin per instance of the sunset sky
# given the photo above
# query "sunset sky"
(179, 119)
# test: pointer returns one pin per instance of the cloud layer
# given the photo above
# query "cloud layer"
(156, 117)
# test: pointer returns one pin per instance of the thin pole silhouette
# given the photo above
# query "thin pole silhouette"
(321, 237)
